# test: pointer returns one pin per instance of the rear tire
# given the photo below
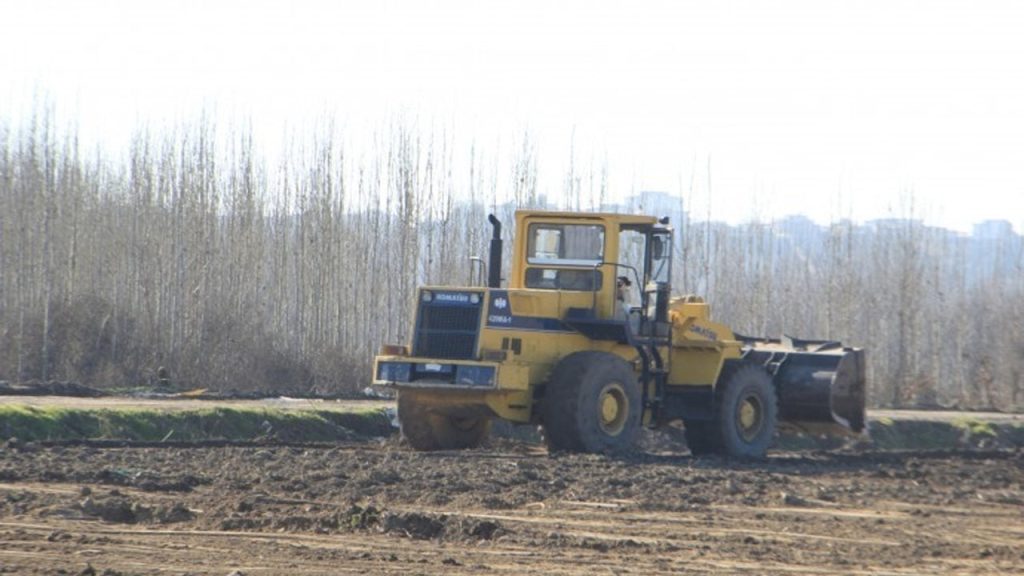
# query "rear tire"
(747, 411)
(592, 404)
(427, 430)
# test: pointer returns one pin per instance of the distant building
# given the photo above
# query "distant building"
(798, 225)
(652, 203)
(992, 230)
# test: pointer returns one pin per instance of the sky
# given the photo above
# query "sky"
(866, 109)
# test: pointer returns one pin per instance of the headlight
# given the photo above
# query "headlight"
(393, 371)
(427, 296)
(474, 375)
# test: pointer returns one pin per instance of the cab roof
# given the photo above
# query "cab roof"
(621, 219)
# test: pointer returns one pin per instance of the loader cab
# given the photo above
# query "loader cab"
(614, 265)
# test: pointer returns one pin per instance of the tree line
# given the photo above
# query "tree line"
(194, 251)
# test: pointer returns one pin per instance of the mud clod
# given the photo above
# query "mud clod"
(793, 500)
(110, 509)
(123, 510)
(416, 525)
(485, 529)
(360, 518)
(59, 536)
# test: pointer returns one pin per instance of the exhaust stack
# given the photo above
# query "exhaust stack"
(494, 266)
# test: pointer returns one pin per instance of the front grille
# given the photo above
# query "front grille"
(447, 326)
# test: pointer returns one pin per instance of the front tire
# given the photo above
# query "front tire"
(426, 430)
(747, 411)
(592, 404)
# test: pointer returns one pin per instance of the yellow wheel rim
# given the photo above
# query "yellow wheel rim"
(614, 408)
(749, 417)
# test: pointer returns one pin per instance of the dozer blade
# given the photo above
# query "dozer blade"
(820, 384)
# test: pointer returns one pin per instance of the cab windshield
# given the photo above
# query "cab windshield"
(565, 244)
(565, 257)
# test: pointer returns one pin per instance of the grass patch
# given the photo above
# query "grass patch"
(32, 423)
(966, 432)
(915, 435)
(974, 427)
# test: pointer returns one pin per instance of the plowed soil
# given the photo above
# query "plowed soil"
(379, 508)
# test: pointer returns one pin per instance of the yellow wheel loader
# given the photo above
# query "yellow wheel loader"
(586, 341)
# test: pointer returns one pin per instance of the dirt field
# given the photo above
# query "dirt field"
(379, 508)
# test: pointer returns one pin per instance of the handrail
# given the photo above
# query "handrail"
(483, 269)
(594, 290)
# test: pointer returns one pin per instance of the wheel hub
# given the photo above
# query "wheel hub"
(750, 417)
(613, 407)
